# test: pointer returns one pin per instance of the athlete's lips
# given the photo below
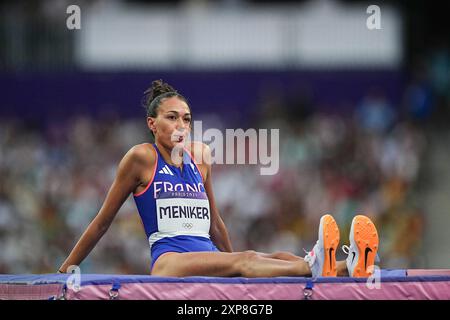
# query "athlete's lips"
(177, 138)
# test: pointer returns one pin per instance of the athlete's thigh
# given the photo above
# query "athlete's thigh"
(212, 264)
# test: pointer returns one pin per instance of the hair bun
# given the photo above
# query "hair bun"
(158, 87)
(158, 91)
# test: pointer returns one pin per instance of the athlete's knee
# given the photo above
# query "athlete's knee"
(246, 261)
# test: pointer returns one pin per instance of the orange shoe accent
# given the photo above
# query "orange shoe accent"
(366, 239)
(330, 243)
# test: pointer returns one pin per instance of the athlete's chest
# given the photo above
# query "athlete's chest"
(168, 178)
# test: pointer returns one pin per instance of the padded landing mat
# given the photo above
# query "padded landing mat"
(398, 284)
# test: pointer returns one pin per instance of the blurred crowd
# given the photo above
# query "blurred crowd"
(54, 179)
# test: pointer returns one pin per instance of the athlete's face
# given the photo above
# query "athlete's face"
(172, 123)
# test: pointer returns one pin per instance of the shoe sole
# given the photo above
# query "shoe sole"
(365, 237)
(330, 236)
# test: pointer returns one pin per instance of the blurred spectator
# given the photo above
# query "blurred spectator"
(375, 114)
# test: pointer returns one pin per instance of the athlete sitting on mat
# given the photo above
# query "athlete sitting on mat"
(176, 203)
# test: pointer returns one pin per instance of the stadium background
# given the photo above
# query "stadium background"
(363, 118)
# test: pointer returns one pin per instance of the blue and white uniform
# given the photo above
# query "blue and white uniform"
(174, 208)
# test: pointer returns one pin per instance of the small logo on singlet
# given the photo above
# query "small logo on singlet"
(166, 170)
(188, 225)
(193, 168)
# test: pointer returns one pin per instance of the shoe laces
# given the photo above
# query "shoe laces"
(308, 252)
(346, 249)
(310, 256)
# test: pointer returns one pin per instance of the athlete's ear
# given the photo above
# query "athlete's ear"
(151, 124)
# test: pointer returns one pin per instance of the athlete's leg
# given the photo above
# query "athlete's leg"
(223, 264)
(284, 255)
(342, 270)
(281, 255)
(252, 264)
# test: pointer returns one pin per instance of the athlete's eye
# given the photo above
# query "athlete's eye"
(188, 120)
(171, 117)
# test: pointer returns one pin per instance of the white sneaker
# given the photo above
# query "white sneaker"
(322, 258)
(362, 253)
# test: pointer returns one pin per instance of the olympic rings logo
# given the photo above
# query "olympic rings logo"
(188, 225)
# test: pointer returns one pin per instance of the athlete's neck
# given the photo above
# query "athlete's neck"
(166, 153)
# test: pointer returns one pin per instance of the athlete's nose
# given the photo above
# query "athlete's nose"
(181, 125)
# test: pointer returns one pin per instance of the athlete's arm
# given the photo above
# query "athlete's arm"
(218, 230)
(127, 179)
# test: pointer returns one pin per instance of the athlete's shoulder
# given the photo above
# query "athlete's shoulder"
(143, 153)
